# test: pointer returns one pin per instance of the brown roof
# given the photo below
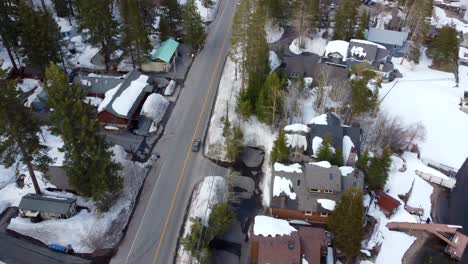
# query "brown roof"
(313, 242)
(387, 203)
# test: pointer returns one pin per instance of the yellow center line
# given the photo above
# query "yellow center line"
(182, 173)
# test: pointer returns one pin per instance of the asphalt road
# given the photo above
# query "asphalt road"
(155, 226)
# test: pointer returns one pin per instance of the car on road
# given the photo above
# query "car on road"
(196, 145)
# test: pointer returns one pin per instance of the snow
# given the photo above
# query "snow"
(94, 101)
(283, 185)
(83, 57)
(85, 226)
(323, 164)
(111, 128)
(347, 147)
(5, 62)
(33, 96)
(108, 98)
(296, 141)
(337, 46)
(154, 107)
(274, 61)
(327, 204)
(358, 51)
(127, 98)
(319, 120)
(274, 32)
(298, 128)
(366, 252)
(308, 112)
(304, 261)
(316, 143)
(54, 143)
(441, 19)
(346, 170)
(445, 124)
(330, 257)
(368, 43)
(316, 45)
(27, 84)
(170, 88)
(296, 167)
(308, 81)
(63, 24)
(421, 196)
(269, 226)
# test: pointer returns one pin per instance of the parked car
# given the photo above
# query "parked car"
(196, 145)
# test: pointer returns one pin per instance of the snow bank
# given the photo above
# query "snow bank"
(154, 107)
(316, 45)
(170, 88)
(296, 167)
(323, 164)
(54, 143)
(274, 61)
(273, 32)
(327, 204)
(210, 192)
(319, 120)
(127, 98)
(316, 143)
(296, 141)
(297, 128)
(440, 19)
(108, 98)
(84, 56)
(269, 226)
(85, 226)
(346, 170)
(445, 124)
(337, 46)
(283, 185)
(348, 145)
(27, 84)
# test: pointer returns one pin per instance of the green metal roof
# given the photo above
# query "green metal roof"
(165, 51)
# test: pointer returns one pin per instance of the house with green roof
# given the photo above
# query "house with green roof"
(163, 58)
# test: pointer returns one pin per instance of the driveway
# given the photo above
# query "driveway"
(154, 229)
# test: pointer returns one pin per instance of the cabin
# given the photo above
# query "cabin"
(39, 206)
(163, 58)
(121, 104)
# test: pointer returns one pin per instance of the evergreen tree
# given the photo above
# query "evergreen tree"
(239, 35)
(9, 29)
(195, 242)
(207, 4)
(277, 10)
(88, 161)
(148, 14)
(61, 8)
(345, 18)
(19, 131)
(363, 99)
(164, 28)
(377, 173)
(325, 151)
(171, 10)
(135, 39)
(193, 24)
(337, 158)
(444, 48)
(234, 144)
(363, 25)
(280, 151)
(97, 17)
(363, 162)
(347, 222)
(270, 104)
(221, 218)
(307, 16)
(39, 36)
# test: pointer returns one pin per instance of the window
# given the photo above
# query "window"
(308, 213)
(323, 214)
(298, 182)
(314, 190)
(330, 176)
(354, 184)
(327, 191)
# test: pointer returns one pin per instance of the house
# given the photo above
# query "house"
(46, 207)
(98, 85)
(299, 66)
(121, 104)
(163, 58)
(394, 41)
(387, 203)
(336, 53)
(309, 193)
(275, 241)
(346, 138)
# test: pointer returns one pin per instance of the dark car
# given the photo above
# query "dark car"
(196, 145)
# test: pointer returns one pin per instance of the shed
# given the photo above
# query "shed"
(46, 206)
(387, 204)
(163, 57)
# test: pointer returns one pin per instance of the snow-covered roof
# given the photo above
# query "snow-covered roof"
(283, 185)
(269, 226)
(323, 164)
(319, 120)
(367, 42)
(296, 141)
(297, 128)
(296, 167)
(316, 143)
(327, 204)
(124, 102)
(274, 61)
(154, 107)
(358, 51)
(463, 53)
(337, 46)
(109, 95)
(347, 147)
(346, 170)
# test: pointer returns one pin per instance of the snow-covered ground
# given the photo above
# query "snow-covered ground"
(441, 19)
(316, 45)
(207, 14)
(86, 231)
(274, 32)
(274, 61)
(414, 97)
(27, 84)
(5, 62)
(54, 143)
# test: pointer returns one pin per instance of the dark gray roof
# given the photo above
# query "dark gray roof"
(354, 179)
(301, 64)
(369, 51)
(97, 85)
(388, 37)
(45, 203)
(335, 74)
(336, 131)
(322, 178)
(132, 76)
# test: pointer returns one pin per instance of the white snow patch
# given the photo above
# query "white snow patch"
(207, 14)
(337, 46)
(92, 100)
(346, 170)
(27, 84)
(358, 51)
(368, 43)
(269, 226)
(127, 98)
(274, 61)
(154, 107)
(108, 98)
(283, 185)
(327, 204)
(316, 143)
(54, 143)
(319, 120)
(316, 45)
(441, 19)
(298, 128)
(296, 167)
(323, 164)
(170, 88)
(274, 32)
(296, 141)
(348, 145)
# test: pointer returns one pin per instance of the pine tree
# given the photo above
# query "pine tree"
(345, 18)
(234, 143)
(39, 36)
(325, 151)
(377, 173)
(96, 16)
(363, 100)
(88, 161)
(164, 28)
(307, 16)
(363, 162)
(280, 151)
(363, 25)
(444, 48)
(19, 131)
(171, 10)
(148, 14)
(270, 104)
(347, 222)
(195, 242)
(338, 158)
(239, 35)
(193, 24)
(9, 29)
(61, 8)
(135, 41)
(221, 218)
(277, 10)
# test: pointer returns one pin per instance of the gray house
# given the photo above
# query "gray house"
(46, 207)
(299, 66)
(394, 41)
(98, 85)
(312, 186)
